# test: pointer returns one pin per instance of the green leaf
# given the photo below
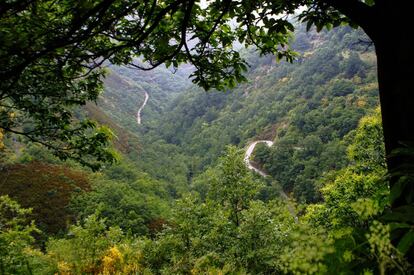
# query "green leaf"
(401, 214)
(309, 25)
(396, 225)
(397, 189)
(406, 242)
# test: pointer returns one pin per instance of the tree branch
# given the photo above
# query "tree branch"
(358, 12)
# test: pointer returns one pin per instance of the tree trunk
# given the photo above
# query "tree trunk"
(396, 88)
(395, 56)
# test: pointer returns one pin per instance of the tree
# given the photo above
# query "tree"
(354, 199)
(51, 54)
(85, 248)
(233, 185)
(15, 236)
(229, 230)
(124, 204)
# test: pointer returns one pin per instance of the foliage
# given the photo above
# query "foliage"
(294, 105)
(91, 248)
(52, 55)
(51, 60)
(124, 92)
(232, 185)
(15, 237)
(354, 201)
(86, 246)
(307, 251)
(368, 153)
(131, 204)
(400, 219)
(200, 237)
(123, 140)
(45, 188)
(229, 231)
(387, 256)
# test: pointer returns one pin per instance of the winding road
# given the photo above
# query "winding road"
(249, 152)
(249, 165)
(247, 160)
(142, 107)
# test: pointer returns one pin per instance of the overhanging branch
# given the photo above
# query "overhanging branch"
(358, 12)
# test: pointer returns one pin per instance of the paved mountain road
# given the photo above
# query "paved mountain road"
(249, 165)
(141, 108)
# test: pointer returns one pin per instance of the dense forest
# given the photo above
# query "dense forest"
(173, 194)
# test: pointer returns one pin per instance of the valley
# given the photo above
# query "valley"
(283, 174)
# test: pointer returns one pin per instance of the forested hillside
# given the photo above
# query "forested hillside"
(180, 199)
(125, 88)
(307, 107)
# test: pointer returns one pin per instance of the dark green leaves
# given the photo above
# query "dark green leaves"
(406, 242)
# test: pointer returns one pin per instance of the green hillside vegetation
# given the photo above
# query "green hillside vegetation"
(180, 199)
(124, 93)
(232, 230)
(307, 108)
(124, 140)
(45, 188)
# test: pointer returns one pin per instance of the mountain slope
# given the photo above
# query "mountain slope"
(311, 104)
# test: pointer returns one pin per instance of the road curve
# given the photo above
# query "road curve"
(249, 165)
(142, 107)
(249, 152)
